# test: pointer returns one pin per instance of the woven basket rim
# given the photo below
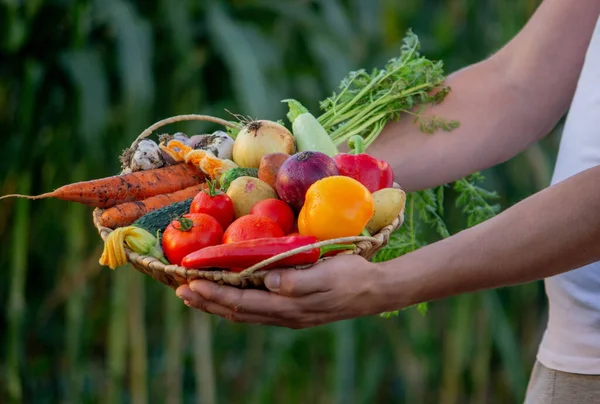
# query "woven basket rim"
(365, 246)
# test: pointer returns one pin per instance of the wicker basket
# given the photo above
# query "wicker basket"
(252, 277)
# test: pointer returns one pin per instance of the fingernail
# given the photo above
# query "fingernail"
(183, 295)
(272, 281)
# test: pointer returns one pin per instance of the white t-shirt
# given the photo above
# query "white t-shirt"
(571, 342)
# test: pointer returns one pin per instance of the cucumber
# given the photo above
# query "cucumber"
(308, 132)
(159, 219)
(233, 173)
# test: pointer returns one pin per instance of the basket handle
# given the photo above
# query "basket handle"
(248, 271)
(178, 118)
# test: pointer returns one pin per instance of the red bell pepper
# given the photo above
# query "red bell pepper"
(239, 255)
(372, 173)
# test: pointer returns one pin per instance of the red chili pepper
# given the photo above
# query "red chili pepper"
(239, 255)
(372, 173)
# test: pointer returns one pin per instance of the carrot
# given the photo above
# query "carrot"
(136, 186)
(128, 212)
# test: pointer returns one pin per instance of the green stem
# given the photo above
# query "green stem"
(117, 336)
(410, 113)
(357, 144)
(416, 89)
(16, 298)
(185, 224)
(173, 334)
(137, 339)
(378, 127)
(204, 371)
(383, 101)
(75, 307)
(365, 90)
(413, 246)
(357, 114)
(382, 105)
(333, 109)
(349, 129)
(345, 362)
(368, 140)
(334, 104)
(334, 247)
(213, 188)
(362, 127)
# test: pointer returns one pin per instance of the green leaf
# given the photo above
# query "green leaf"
(427, 204)
(440, 200)
(506, 343)
(296, 109)
(473, 200)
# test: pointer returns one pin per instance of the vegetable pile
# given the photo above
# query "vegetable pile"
(262, 197)
(232, 199)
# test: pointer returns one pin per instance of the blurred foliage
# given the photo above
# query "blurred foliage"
(80, 79)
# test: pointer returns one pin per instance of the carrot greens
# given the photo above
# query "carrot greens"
(366, 101)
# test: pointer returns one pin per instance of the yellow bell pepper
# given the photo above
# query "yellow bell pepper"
(334, 207)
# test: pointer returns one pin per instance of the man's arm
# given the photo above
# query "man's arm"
(551, 232)
(504, 103)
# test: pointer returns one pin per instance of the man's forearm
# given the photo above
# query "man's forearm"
(504, 104)
(548, 233)
(492, 130)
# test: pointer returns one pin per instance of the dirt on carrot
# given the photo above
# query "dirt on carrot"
(126, 213)
(136, 186)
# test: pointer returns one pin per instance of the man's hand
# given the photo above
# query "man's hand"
(340, 288)
(553, 231)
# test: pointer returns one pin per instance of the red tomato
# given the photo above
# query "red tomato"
(278, 211)
(214, 203)
(188, 234)
(250, 227)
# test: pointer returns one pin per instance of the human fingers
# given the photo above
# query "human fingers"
(195, 300)
(245, 300)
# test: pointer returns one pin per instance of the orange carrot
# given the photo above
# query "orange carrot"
(136, 186)
(128, 212)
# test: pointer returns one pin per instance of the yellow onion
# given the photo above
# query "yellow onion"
(259, 138)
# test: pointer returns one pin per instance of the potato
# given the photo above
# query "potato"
(246, 191)
(269, 167)
(389, 202)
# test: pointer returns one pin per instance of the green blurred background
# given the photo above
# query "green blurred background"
(80, 79)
